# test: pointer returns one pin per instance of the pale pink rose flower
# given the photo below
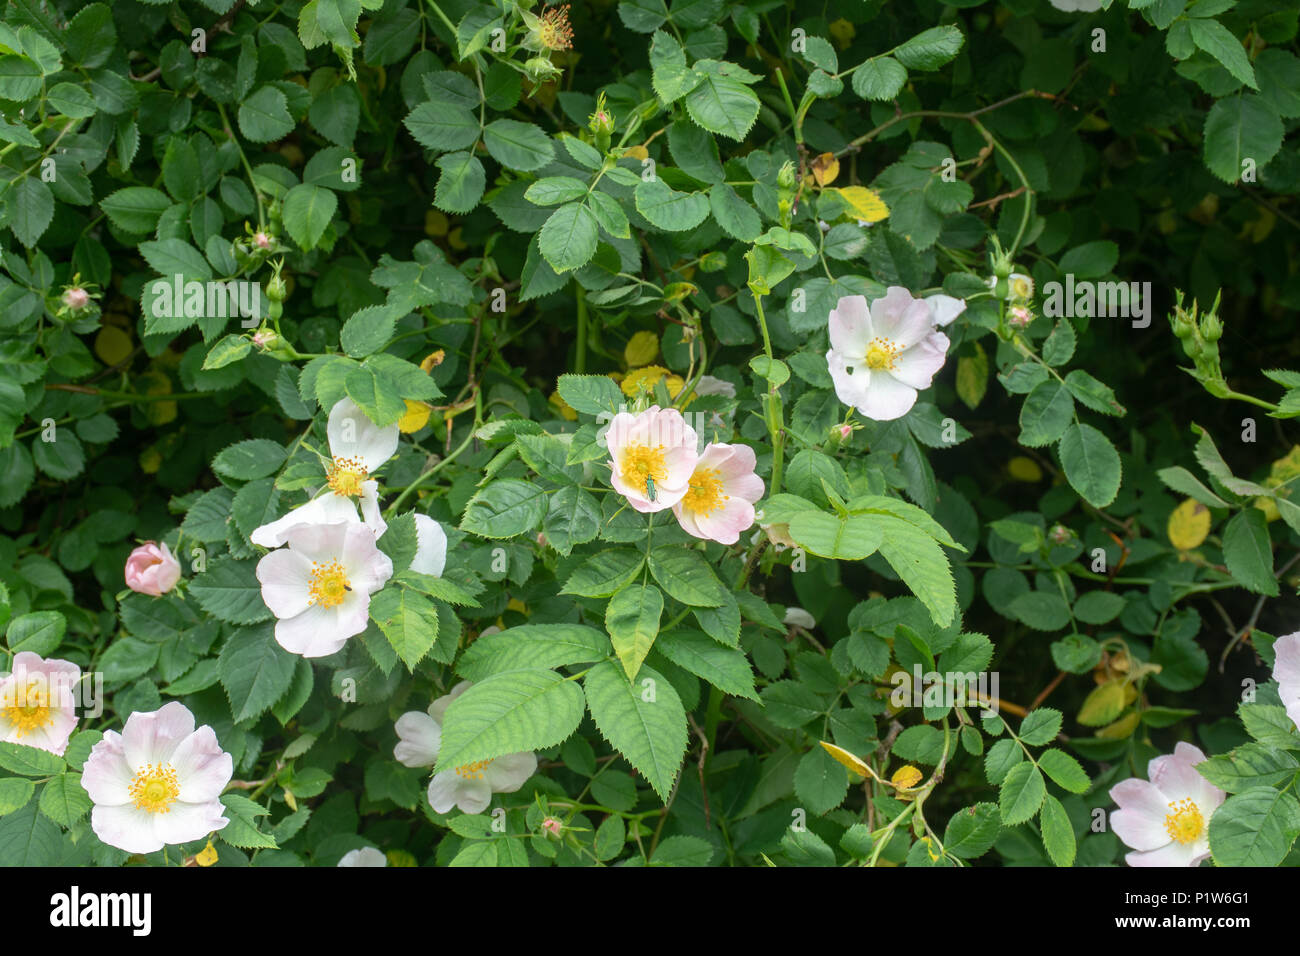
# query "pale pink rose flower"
(1286, 671)
(38, 706)
(652, 457)
(319, 587)
(719, 502)
(1166, 819)
(152, 569)
(881, 355)
(158, 782)
(430, 547)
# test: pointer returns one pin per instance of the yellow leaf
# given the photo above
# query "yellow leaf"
(906, 777)
(1189, 524)
(1121, 728)
(854, 764)
(432, 360)
(207, 856)
(1103, 705)
(435, 223)
(864, 203)
(641, 349)
(636, 152)
(973, 376)
(112, 345)
(150, 460)
(1024, 469)
(156, 383)
(400, 858)
(415, 418)
(564, 408)
(825, 168)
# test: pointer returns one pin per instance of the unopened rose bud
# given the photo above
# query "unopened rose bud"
(76, 297)
(262, 240)
(265, 338)
(1019, 317)
(552, 827)
(1212, 328)
(1060, 534)
(152, 569)
(785, 178)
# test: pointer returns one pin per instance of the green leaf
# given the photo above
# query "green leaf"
(409, 620)
(29, 838)
(1218, 41)
(29, 761)
(229, 591)
(38, 631)
(307, 213)
(443, 127)
(505, 508)
(686, 576)
(590, 394)
(1091, 464)
(722, 105)
(880, 78)
(254, 670)
(1040, 726)
(517, 145)
(568, 239)
(632, 620)
(820, 781)
(1022, 794)
(1058, 833)
(1248, 552)
(264, 116)
(723, 667)
(669, 209)
(1254, 828)
(29, 208)
(1047, 412)
(644, 721)
(461, 183)
(919, 560)
(368, 330)
(1064, 771)
(64, 800)
(530, 646)
(931, 48)
(970, 832)
(1238, 129)
(252, 458)
(509, 712)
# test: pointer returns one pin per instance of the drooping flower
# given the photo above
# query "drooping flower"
(357, 448)
(365, 856)
(157, 782)
(1166, 819)
(719, 501)
(652, 457)
(37, 702)
(1286, 671)
(882, 355)
(468, 787)
(152, 569)
(430, 547)
(319, 587)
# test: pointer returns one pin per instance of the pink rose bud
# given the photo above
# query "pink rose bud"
(1021, 317)
(76, 298)
(1060, 534)
(552, 826)
(152, 569)
(846, 430)
(263, 240)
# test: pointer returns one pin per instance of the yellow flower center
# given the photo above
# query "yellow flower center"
(555, 32)
(882, 354)
(345, 476)
(1184, 823)
(328, 584)
(642, 463)
(474, 771)
(154, 788)
(28, 710)
(705, 494)
(1021, 288)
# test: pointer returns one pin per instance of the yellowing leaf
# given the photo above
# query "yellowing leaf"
(435, 223)
(973, 377)
(112, 345)
(641, 349)
(1103, 705)
(1121, 728)
(207, 856)
(906, 777)
(401, 858)
(864, 203)
(1024, 469)
(1189, 524)
(854, 764)
(432, 360)
(415, 417)
(825, 168)
(564, 408)
(636, 152)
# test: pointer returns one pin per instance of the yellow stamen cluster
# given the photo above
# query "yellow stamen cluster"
(555, 32)
(154, 788)
(642, 462)
(328, 584)
(345, 476)
(882, 354)
(705, 494)
(474, 771)
(29, 710)
(1184, 823)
